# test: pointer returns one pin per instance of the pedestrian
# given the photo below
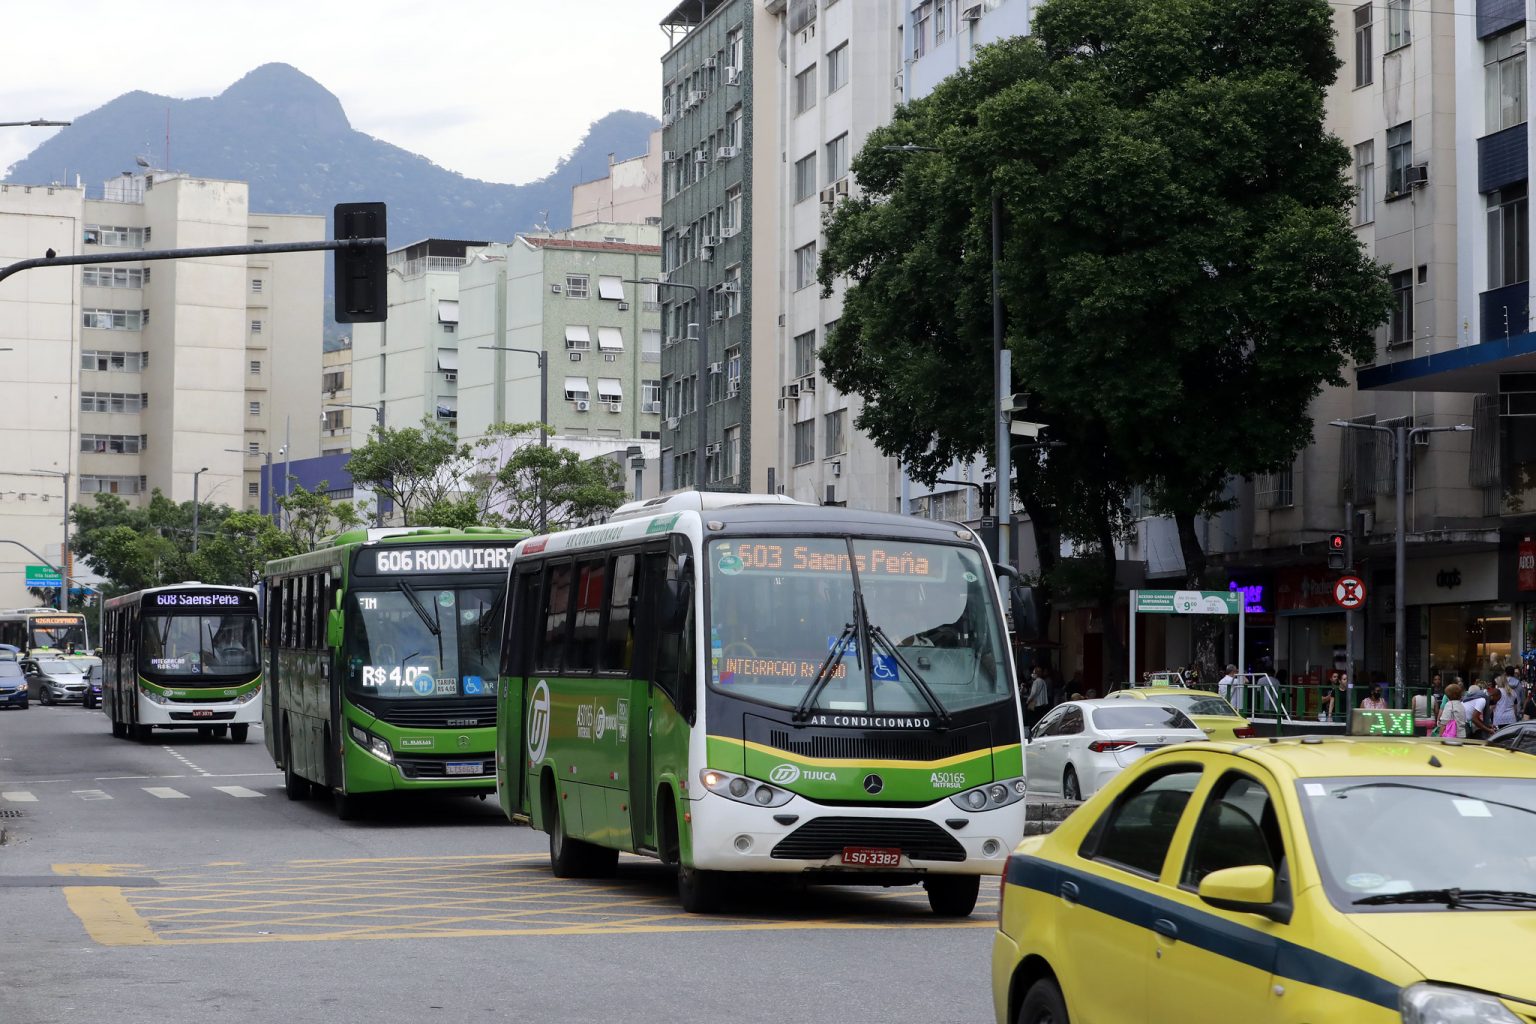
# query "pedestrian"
(1517, 685)
(1528, 709)
(1326, 700)
(1375, 701)
(1507, 710)
(1192, 675)
(1227, 685)
(1038, 701)
(1477, 704)
(1452, 720)
(1427, 705)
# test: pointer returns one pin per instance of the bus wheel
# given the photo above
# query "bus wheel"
(700, 892)
(349, 806)
(952, 895)
(295, 786)
(575, 858)
(205, 733)
(220, 730)
(238, 733)
(119, 730)
(141, 733)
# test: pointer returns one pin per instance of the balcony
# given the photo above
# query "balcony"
(1504, 312)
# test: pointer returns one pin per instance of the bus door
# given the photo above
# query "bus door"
(663, 686)
(514, 692)
(271, 707)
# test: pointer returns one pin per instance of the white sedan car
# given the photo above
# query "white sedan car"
(1082, 744)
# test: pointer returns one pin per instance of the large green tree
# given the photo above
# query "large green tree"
(1178, 269)
(534, 480)
(414, 468)
(312, 516)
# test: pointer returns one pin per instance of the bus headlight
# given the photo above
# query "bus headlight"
(378, 746)
(991, 796)
(743, 790)
(247, 697)
(155, 697)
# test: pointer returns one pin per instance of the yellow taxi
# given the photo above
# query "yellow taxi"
(1304, 879)
(1218, 719)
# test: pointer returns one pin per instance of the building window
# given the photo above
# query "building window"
(1364, 64)
(650, 396)
(255, 408)
(837, 69)
(650, 345)
(731, 291)
(114, 319)
(1275, 490)
(255, 326)
(805, 266)
(255, 284)
(111, 484)
(805, 354)
(611, 288)
(576, 389)
(1401, 325)
(1365, 182)
(835, 433)
(1397, 24)
(735, 135)
(112, 401)
(733, 209)
(255, 367)
(576, 286)
(115, 362)
(253, 489)
(730, 452)
(1504, 79)
(113, 277)
(805, 177)
(578, 337)
(732, 370)
(837, 158)
(116, 237)
(733, 48)
(805, 90)
(1509, 243)
(112, 444)
(805, 442)
(1399, 156)
(920, 30)
(333, 381)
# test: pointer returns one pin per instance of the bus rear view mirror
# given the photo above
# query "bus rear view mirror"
(334, 628)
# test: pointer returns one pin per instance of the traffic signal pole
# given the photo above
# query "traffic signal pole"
(1349, 613)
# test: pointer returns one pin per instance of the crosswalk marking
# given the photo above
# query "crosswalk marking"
(91, 794)
(20, 797)
(165, 793)
(238, 791)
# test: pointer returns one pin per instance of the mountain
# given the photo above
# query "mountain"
(283, 132)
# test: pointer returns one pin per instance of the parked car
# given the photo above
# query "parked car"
(1520, 736)
(13, 685)
(1218, 719)
(55, 680)
(1304, 879)
(1080, 745)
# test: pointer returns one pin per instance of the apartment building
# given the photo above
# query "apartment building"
(336, 400)
(567, 302)
(125, 378)
(630, 193)
(718, 360)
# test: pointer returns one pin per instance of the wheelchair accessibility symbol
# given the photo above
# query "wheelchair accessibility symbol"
(884, 669)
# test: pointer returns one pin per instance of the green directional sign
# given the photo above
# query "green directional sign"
(1188, 602)
(41, 576)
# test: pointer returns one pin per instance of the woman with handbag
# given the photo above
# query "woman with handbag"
(1452, 722)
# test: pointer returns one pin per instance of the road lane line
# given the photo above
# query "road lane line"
(91, 794)
(238, 791)
(108, 917)
(19, 796)
(165, 793)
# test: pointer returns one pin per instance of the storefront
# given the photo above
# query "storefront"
(1258, 590)
(1464, 629)
(1310, 629)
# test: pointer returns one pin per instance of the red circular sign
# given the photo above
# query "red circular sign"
(1349, 592)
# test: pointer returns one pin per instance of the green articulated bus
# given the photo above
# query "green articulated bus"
(739, 683)
(383, 652)
(186, 656)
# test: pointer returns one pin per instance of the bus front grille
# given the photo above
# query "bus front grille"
(876, 746)
(821, 838)
(460, 714)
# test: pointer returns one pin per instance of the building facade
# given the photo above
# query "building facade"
(336, 400)
(630, 193)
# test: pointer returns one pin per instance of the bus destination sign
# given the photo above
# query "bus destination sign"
(412, 561)
(233, 599)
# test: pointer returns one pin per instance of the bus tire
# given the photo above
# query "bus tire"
(295, 786)
(119, 730)
(952, 895)
(205, 732)
(573, 858)
(349, 806)
(700, 892)
(220, 730)
(239, 731)
(141, 733)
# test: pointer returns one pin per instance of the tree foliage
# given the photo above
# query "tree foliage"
(313, 516)
(414, 468)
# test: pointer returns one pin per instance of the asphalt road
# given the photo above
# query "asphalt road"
(173, 882)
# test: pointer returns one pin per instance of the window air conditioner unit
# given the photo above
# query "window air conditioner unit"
(708, 64)
(672, 339)
(781, 403)
(732, 76)
(718, 314)
(583, 406)
(554, 289)
(731, 287)
(663, 277)
(623, 307)
(667, 119)
(729, 233)
(733, 388)
(715, 367)
(615, 406)
(453, 377)
(711, 240)
(701, 157)
(840, 186)
(790, 391)
(671, 422)
(695, 98)
(575, 357)
(1415, 176)
(828, 197)
(727, 152)
(713, 448)
(808, 384)
(707, 253)
(669, 155)
(971, 13)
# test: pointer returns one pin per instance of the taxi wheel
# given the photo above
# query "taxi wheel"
(238, 733)
(1043, 1005)
(1071, 789)
(953, 895)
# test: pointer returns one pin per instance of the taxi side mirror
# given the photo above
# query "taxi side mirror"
(1249, 889)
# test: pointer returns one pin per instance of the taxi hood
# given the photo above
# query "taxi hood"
(1486, 950)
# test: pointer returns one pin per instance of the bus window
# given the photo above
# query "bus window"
(556, 617)
(619, 636)
(581, 655)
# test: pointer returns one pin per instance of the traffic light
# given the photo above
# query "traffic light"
(360, 271)
(1336, 551)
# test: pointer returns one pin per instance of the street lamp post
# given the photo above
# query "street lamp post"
(196, 506)
(543, 361)
(1402, 436)
(63, 476)
(35, 123)
(378, 419)
(700, 395)
(1002, 389)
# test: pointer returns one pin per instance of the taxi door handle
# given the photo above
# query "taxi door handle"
(1069, 891)
(1166, 928)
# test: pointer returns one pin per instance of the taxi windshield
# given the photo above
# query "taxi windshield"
(1405, 842)
(1192, 704)
(885, 626)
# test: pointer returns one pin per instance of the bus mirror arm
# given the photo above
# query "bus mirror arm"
(1008, 571)
(333, 628)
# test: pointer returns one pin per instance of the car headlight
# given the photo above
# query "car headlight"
(991, 796)
(378, 746)
(743, 790)
(247, 697)
(158, 698)
(1425, 1003)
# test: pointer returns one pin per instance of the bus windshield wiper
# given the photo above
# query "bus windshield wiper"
(824, 674)
(1452, 897)
(939, 710)
(410, 595)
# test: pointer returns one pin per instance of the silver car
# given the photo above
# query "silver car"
(55, 680)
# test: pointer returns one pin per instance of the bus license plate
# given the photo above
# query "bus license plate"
(465, 768)
(871, 857)
(202, 713)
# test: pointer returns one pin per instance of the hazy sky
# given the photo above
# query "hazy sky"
(450, 80)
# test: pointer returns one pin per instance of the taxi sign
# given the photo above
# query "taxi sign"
(1349, 592)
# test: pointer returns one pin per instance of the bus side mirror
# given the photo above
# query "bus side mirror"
(333, 628)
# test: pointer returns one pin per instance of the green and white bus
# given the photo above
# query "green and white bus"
(383, 651)
(735, 683)
(186, 656)
(34, 630)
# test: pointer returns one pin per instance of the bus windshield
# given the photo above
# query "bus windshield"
(785, 611)
(420, 640)
(60, 632)
(199, 645)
